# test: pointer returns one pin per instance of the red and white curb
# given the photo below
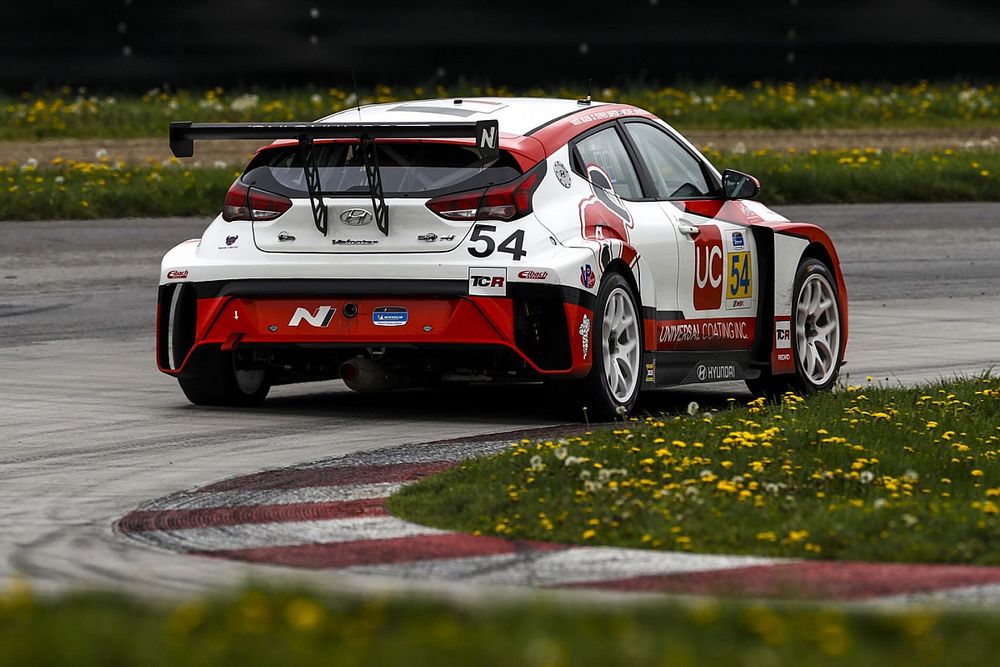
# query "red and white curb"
(331, 515)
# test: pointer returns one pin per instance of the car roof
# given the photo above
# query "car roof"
(515, 115)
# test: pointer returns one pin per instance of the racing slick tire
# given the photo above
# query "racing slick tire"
(816, 330)
(611, 389)
(217, 381)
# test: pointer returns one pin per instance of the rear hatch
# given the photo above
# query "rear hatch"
(413, 172)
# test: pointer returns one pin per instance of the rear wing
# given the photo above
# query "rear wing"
(485, 133)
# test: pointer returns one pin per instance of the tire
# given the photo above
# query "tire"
(218, 382)
(611, 389)
(817, 330)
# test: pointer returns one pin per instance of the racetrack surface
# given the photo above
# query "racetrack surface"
(90, 430)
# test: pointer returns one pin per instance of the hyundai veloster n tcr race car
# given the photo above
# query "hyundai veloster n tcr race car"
(588, 245)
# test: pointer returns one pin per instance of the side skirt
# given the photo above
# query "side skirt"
(674, 368)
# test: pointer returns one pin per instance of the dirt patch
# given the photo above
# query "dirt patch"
(236, 153)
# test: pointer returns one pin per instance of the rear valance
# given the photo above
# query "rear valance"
(485, 133)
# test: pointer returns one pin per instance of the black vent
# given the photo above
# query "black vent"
(540, 325)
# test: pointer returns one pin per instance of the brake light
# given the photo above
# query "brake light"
(246, 203)
(509, 201)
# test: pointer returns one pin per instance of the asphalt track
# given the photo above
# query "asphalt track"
(89, 429)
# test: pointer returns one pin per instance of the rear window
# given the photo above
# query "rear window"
(418, 169)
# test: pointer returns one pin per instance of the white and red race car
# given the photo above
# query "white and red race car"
(585, 244)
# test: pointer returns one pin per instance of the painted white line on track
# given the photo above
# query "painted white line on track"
(552, 568)
(307, 494)
(293, 533)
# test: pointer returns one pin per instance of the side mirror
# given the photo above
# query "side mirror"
(737, 185)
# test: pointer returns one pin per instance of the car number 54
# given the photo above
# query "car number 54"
(513, 244)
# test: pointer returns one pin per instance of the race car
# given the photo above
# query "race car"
(587, 245)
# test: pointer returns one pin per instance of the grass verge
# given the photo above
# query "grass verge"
(91, 190)
(87, 190)
(870, 473)
(79, 113)
(287, 628)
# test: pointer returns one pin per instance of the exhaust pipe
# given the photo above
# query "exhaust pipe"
(367, 376)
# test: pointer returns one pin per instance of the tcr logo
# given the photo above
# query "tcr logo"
(708, 263)
(319, 318)
(487, 281)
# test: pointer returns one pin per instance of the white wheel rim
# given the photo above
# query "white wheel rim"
(817, 329)
(620, 345)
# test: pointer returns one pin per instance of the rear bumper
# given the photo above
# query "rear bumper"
(541, 324)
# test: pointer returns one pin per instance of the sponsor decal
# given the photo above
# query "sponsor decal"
(177, 274)
(603, 215)
(783, 336)
(353, 242)
(736, 304)
(784, 356)
(739, 280)
(587, 277)
(533, 275)
(584, 332)
(734, 332)
(320, 317)
(708, 264)
(562, 175)
(230, 243)
(738, 241)
(487, 281)
(390, 316)
(711, 372)
(651, 371)
(356, 217)
(605, 115)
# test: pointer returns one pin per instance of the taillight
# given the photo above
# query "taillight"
(509, 201)
(246, 203)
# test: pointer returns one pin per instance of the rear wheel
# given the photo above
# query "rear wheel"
(218, 381)
(816, 334)
(612, 386)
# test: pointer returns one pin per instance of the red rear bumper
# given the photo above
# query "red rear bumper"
(453, 321)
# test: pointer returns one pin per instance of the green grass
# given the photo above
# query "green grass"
(87, 190)
(868, 473)
(824, 104)
(102, 190)
(286, 628)
(868, 175)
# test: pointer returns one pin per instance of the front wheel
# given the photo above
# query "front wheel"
(219, 381)
(612, 387)
(817, 331)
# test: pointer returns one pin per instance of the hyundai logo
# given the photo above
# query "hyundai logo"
(356, 217)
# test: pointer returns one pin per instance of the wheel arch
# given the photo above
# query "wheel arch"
(621, 268)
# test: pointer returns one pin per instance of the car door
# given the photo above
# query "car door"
(717, 269)
(625, 218)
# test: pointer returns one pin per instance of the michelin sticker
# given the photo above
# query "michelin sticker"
(390, 316)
